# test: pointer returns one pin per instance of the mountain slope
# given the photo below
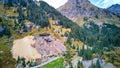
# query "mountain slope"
(22, 20)
(95, 21)
(77, 9)
(115, 9)
(33, 18)
(99, 27)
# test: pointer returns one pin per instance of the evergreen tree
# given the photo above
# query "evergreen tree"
(93, 65)
(7, 32)
(112, 59)
(73, 46)
(23, 62)
(18, 60)
(78, 65)
(85, 53)
(10, 3)
(70, 64)
(78, 51)
(81, 65)
(23, 3)
(98, 64)
(29, 1)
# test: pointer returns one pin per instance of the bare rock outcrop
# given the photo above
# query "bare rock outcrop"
(22, 48)
(37, 47)
(48, 46)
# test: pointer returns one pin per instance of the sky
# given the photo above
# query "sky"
(56, 3)
(104, 3)
(99, 3)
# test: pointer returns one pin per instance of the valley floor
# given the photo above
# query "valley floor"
(42, 64)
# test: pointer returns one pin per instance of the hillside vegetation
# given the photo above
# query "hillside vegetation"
(33, 18)
(59, 63)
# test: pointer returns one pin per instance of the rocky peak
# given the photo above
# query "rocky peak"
(115, 6)
(79, 9)
(115, 9)
(78, 2)
(75, 8)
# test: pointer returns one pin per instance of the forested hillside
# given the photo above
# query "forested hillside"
(16, 16)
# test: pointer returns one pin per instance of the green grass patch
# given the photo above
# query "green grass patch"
(59, 63)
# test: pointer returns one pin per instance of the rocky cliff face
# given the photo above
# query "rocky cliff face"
(115, 9)
(47, 45)
(37, 47)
